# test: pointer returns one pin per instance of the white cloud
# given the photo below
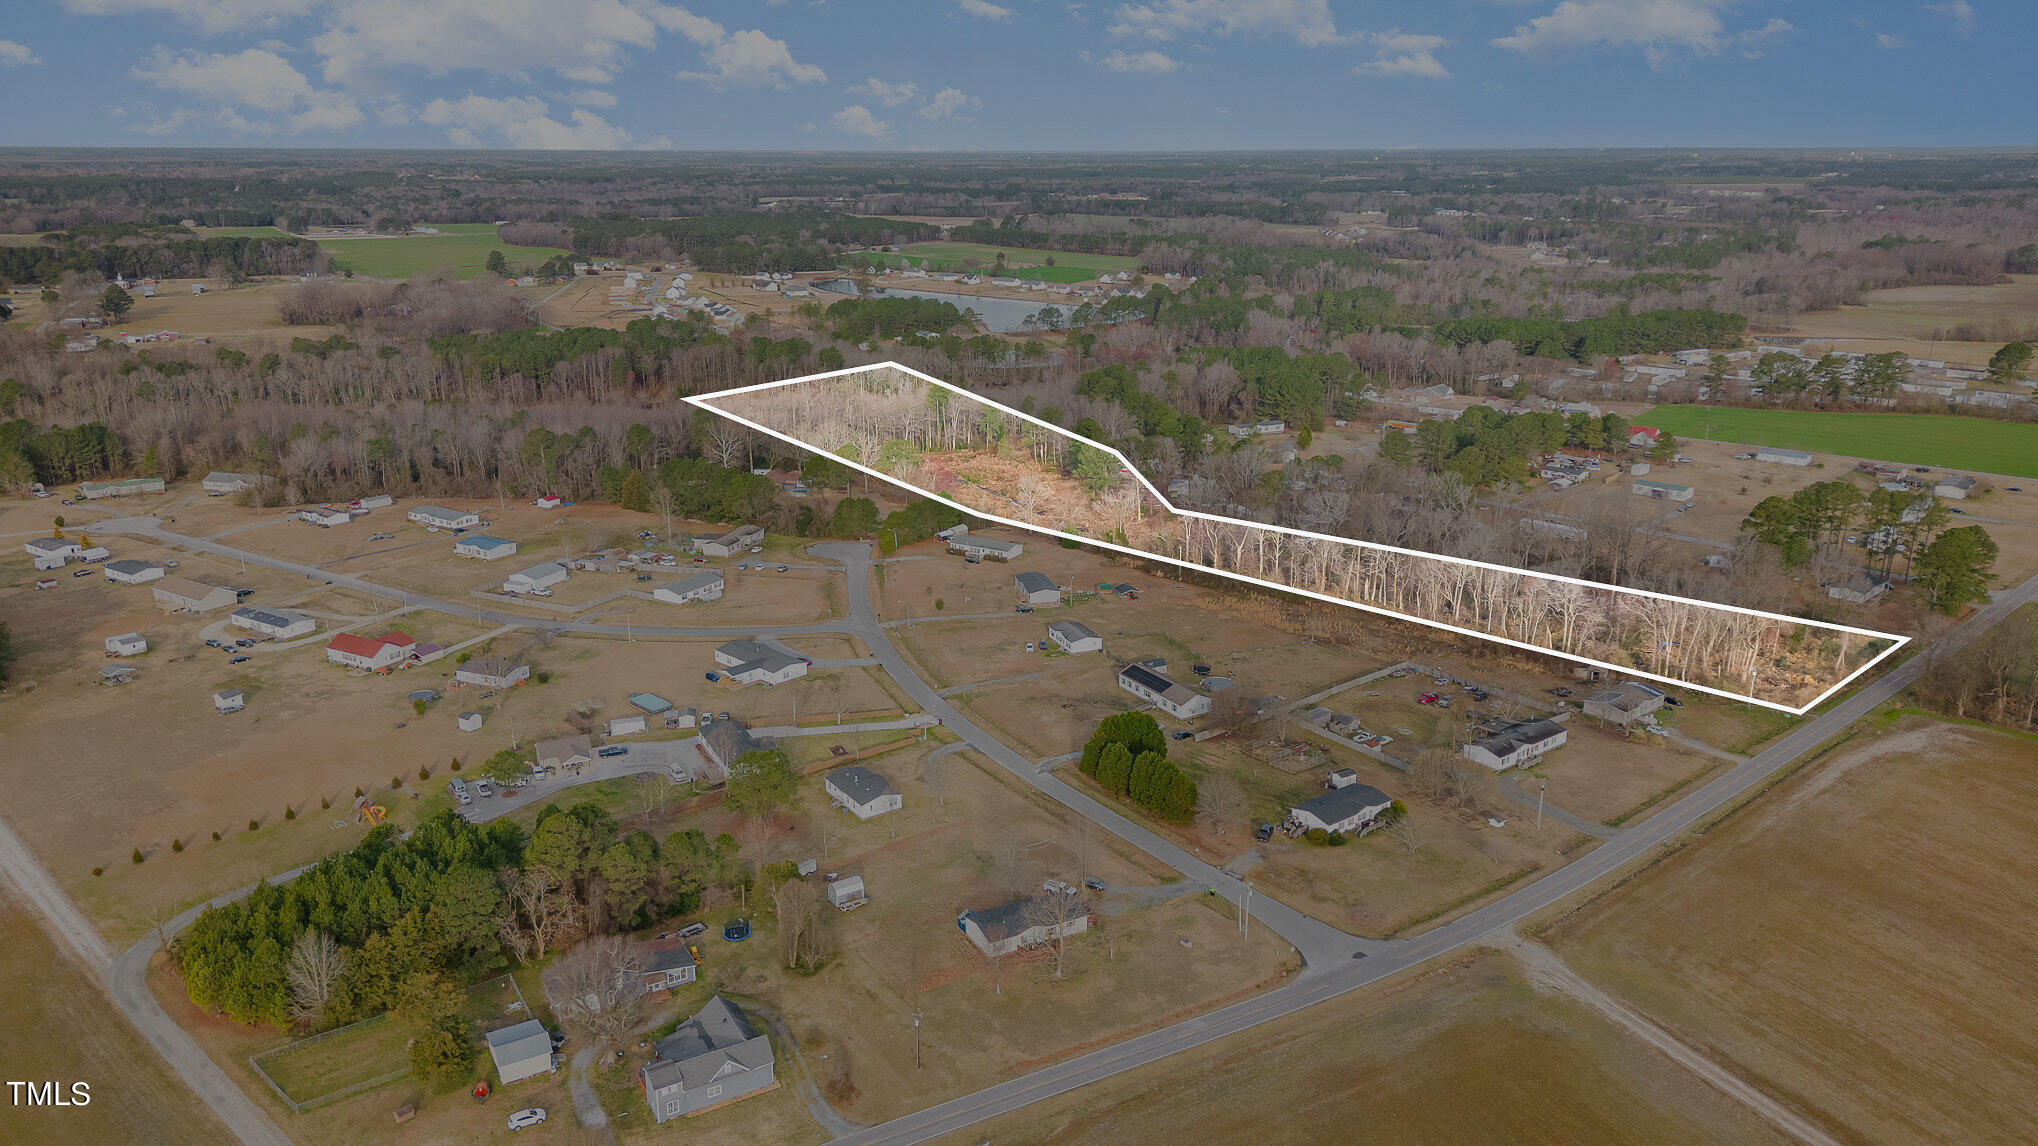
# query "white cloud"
(1307, 22)
(1959, 11)
(591, 97)
(948, 103)
(1147, 63)
(253, 79)
(523, 122)
(13, 55)
(1399, 53)
(750, 60)
(857, 119)
(984, 8)
(1887, 42)
(211, 16)
(583, 40)
(1751, 41)
(890, 95)
(1656, 28)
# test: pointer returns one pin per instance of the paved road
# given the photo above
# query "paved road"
(1390, 958)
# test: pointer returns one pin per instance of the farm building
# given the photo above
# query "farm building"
(520, 1051)
(664, 963)
(373, 654)
(221, 482)
(735, 541)
(1624, 703)
(470, 722)
(1170, 696)
(182, 594)
(1517, 744)
(485, 548)
(372, 501)
(132, 572)
(704, 586)
(444, 518)
(1642, 437)
(626, 725)
(1006, 928)
(972, 546)
(51, 552)
(229, 700)
(275, 624)
(1783, 457)
(492, 672)
(536, 577)
(549, 501)
(1663, 490)
(1075, 637)
(1954, 486)
(565, 752)
(714, 1057)
(1860, 588)
(848, 892)
(750, 662)
(126, 645)
(1351, 809)
(324, 515)
(1037, 589)
(862, 792)
(94, 490)
(117, 674)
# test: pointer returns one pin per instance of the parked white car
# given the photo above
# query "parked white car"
(527, 1117)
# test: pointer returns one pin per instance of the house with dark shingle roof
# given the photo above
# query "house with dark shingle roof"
(1517, 744)
(1176, 699)
(862, 792)
(714, 1057)
(664, 963)
(1350, 809)
(1006, 928)
(1037, 589)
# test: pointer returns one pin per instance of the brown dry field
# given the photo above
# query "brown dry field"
(61, 1027)
(1465, 1052)
(972, 839)
(1910, 318)
(243, 317)
(367, 1118)
(1858, 943)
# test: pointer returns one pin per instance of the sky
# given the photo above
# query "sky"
(933, 75)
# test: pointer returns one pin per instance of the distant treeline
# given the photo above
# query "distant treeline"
(153, 253)
(535, 353)
(742, 242)
(856, 319)
(1649, 332)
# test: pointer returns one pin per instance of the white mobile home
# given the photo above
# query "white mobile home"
(276, 624)
(972, 545)
(51, 552)
(325, 515)
(862, 792)
(444, 518)
(1663, 490)
(1516, 745)
(1075, 637)
(1176, 699)
(1783, 457)
(484, 548)
(1350, 809)
(492, 672)
(1037, 589)
(704, 586)
(126, 645)
(750, 662)
(735, 541)
(182, 594)
(132, 572)
(536, 577)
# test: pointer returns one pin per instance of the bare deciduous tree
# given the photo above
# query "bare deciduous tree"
(1411, 832)
(597, 990)
(1056, 913)
(1221, 802)
(799, 922)
(315, 967)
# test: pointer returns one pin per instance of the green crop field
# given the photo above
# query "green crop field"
(2009, 448)
(1069, 267)
(464, 247)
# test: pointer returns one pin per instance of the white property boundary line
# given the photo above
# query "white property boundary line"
(704, 401)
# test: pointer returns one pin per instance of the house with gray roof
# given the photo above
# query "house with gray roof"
(520, 1050)
(1624, 703)
(275, 624)
(1351, 809)
(51, 552)
(753, 662)
(1517, 744)
(493, 672)
(1006, 928)
(1075, 637)
(714, 1057)
(973, 545)
(541, 576)
(725, 740)
(862, 792)
(220, 482)
(1037, 589)
(663, 964)
(129, 571)
(702, 586)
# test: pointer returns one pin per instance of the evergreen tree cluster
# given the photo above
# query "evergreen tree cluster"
(1128, 756)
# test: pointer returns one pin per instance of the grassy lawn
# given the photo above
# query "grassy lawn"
(374, 1049)
(1849, 942)
(1914, 439)
(1069, 267)
(1469, 1052)
(464, 247)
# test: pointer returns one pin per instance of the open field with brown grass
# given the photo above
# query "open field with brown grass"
(1929, 315)
(1465, 1052)
(243, 317)
(1857, 943)
(61, 1027)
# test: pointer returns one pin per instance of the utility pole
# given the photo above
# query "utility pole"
(916, 1040)
(1540, 789)
(1245, 912)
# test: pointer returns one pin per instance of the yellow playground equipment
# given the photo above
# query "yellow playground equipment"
(372, 812)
